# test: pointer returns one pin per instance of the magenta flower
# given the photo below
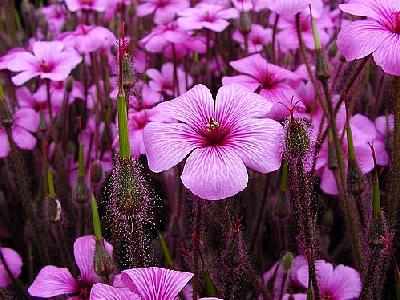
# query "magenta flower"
(379, 34)
(204, 15)
(164, 10)
(219, 137)
(96, 5)
(271, 81)
(25, 122)
(55, 16)
(88, 38)
(144, 283)
(249, 5)
(53, 281)
(49, 61)
(257, 38)
(14, 264)
(288, 7)
(163, 82)
(336, 283)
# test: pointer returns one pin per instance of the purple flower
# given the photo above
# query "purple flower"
(220, 137)
(288, 7)
(257, 38)
(271, 82)
(250, 5)
(336, 283)
(96, 5)
(25, 122)
(55, 16)
(204, 15)
(49, 60)
(86, 39)
(164, 10)
(379, 34)
(144, 283)
(53, 281)
(14, 264)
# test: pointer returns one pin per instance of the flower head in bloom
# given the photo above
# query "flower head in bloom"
(96, 5)
(53, 281)
(55, 16)
(379, 34)
(88, 38)
(271, 81)
(288, 7)
(49, 60)
(14, 264)
(164, 10)
(163, 82)
(220, 137)
(144, 283)
(336, 283)
(25, 122)
(257, 38)
(204, 15)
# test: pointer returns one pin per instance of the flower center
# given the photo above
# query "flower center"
(87, 2)
(45, 67)
(269, 81)
(208, 17)
(397, 22)
(84, 289)
(392, 22)
(214, 134)
(162, 3)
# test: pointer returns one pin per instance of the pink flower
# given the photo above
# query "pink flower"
(288, 7)
(336, 283)
(250, 5)
(53, 281)
(14, 263)
(379, 34)
(212, 17)
(257, 38)
(25, 122)
(86, 39)
(55, 16)
(11, 54)
(219, 137)
(49, 61)
(163, 82)
(96, 5)
(164, 10)
(144, 283)
(272, 82)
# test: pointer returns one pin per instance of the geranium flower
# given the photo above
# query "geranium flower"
(164, 10)
(55, 16)
(336, 283)
(271, 81)
(250, 5)
(25, 122)
(256, 39)
(49, 61)
(14, 264)
(219, 137)
(204, 15)
(53, 281)
(379, 34)
(96, 5)
(144, 283)
(88, 38)
(163, 82)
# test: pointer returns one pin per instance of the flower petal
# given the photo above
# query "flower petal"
(214, 173)
(106, 292)
(52, 281)
(288, 7)
(4, 144)
(345, 283)
(167, 144)
(14, 264)
(387, 56)
(155, 283)
(23, 138)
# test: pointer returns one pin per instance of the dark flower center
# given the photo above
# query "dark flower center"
(46, 67)
(87, 2)
(214, 134)
(208, 17)
(84, 289)
(162, 3)
(392, 22)
(268, 81)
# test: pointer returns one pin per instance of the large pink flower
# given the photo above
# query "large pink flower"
(210, 16)
(49, 60)
(379, 34)
(271, 81)
(165, 10)
(53, 281)
(144, 283)
(336, 283)
(25, 122)
(219, 137)
(14, 264)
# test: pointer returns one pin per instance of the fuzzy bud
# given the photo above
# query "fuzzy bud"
(322, 70)
(96, 172)
(128, 77)
(52, 210)
(332, 50)
(245, 22)
(297, 139)
(355, 179)
(103, 265)
(287, 261)
(81, 191)
(5, 114)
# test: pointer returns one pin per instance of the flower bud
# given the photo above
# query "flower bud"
(297, 139)
(287, 261)
(332, 50)
(96, 171)
(81, 191)
(322, 70)
(128, 77)
(103, 265)
(52, 210)
(244, 23)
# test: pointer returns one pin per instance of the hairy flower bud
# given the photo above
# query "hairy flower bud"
(96, 172)
(81, 191)
(297, 139)
(103, 264)
(52, 210)
(287, 261)
(244, 23)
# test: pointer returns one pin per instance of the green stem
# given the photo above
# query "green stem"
(124, 146)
